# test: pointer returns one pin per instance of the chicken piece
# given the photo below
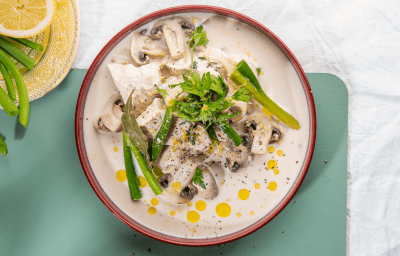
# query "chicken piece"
(151, 119)
(144, 80)
(183, 135)
(178, 67)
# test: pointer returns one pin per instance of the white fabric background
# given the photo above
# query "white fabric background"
(356, 40)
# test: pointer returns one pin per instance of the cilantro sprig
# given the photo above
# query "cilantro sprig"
(197, 38)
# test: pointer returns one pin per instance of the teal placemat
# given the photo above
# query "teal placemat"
(47, 207)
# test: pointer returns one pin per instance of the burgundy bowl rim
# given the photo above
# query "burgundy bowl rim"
(83, 154)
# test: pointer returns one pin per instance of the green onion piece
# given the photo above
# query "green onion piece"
(144, 167)
(213, 136)
(3, 146)
(159, 140)
(245, 70)
(133, 180)
(260, 96)
(21, 88)
(228, 130)
(9, 82)
(16, 53)
(7, 104)
(28, 43)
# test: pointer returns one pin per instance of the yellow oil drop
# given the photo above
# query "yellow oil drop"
(121, 175)
(276, 171)
(244, 194)
(279, 152)
(172, 213)
(272, 164)
(271, 149)
(152, 210)
(154, 201)
(252, 213)
(257, 186)
(238, 214)
(116, 149)
(142, 181)
(266, 112)
(223, 210)
(201, 205)
(272, 186)
(189, 203)
(193, 216)
(176, 186)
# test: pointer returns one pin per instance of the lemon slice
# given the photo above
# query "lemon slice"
(25, 18)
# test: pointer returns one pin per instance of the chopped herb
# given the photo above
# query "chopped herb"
(242, 95)
(258, 71)
(210, 64)
(194, 64)
(202, 58)
(163, 92)
(198, 178)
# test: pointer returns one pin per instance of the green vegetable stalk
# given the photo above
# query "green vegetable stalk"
(7, 104)
(144, 167)
(9, 82)
(28, 43)
(259, 95)
(159, 140)
(212, 135)
(16, 53)
(133, 181)
(3, 146)
(21, 88)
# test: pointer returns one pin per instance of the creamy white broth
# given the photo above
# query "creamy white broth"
(280, 82)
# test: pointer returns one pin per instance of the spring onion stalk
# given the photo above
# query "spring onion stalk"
(28, 43)
(144, 167)
(246, 71)
(212, 135)
(7, 104)
(3, 146)
(260, 96)
(133, 180)
(159, 140)
(16, 53)
(230, 132)
(21, 88)
(9, 82)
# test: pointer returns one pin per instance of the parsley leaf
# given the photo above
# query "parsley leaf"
(198, 38)
(218, 85)
(242, 95)
(258, 71)
(163, 92)
(198, 178)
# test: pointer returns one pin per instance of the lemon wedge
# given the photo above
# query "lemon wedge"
(25, 18)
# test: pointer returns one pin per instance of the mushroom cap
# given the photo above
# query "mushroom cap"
(143, 46)
(171, 184)
(109, 119)
(211, 190)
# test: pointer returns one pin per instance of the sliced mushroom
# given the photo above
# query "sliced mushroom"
(176, 183)
(110, 117)
(172, 28)
(144, 46)
(263, 132)
(241, 107)
(211, 189)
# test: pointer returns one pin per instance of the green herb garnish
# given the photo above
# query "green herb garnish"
(198, 178)
(258, 71)
(197, 38)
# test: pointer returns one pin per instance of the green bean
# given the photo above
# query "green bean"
(3, 146)
(16, 53)
(21, 88)
(9, 82)
(213, 136)
(133, 180)
(7, 104)
(159, 140)
(230, 132)
(260, 96)
(144, 167)
(28, 43)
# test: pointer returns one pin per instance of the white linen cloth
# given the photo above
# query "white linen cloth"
(359, 41)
